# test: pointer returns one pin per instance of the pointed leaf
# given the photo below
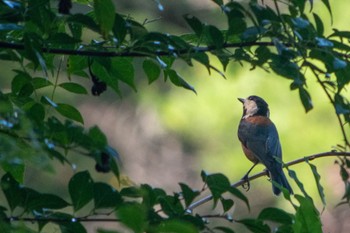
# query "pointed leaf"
(105, 15)
(81, 189)
(318, 184)
(188, 193)
(276, 215)
(151, 69)
(106, 197)
(178, 81)
(74, 88)
(307, 218)
(70, 112)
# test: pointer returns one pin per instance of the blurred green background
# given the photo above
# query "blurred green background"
(166, 135)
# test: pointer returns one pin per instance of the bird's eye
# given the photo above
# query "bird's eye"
(250, 98)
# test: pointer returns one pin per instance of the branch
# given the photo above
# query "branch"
(94, 53)
(59, 220)
(263, 173)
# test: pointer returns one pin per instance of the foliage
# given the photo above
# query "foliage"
(40, 37)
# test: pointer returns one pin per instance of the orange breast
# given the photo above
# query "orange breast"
(249, 154)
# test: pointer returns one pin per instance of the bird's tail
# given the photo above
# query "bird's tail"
(278, 177)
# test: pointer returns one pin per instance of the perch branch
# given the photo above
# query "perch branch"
(263, 173)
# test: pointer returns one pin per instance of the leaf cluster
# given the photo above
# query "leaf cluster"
(45, 40)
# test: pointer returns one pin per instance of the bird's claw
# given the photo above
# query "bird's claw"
(267, 174)
(246, 183)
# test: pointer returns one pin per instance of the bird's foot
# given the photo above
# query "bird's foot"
(246, 183)
(268, 174)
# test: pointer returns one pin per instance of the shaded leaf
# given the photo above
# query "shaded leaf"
(105, 15)
(305, 99)
(188, 193)
(234, 191)
(70, 112)
(318, 184)
(74, 88)
(178, 81)
(226, 204)
(151, 69)
(133, 215)
(176, 226)
(255, 225)
(106, 197)
(13, 192)
(276, 215)
(307, 218)
(224, 229)
(217, 184)
(195, 24)
(81, 189)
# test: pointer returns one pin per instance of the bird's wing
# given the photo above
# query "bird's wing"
(263, 141)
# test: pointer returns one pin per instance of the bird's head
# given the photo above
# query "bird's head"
(254, 106)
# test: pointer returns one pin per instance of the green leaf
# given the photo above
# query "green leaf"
(15, 168)
(276, 215)
(68, 223)
(318, 184)
(70, 112)
(178, 81)
(38, 202)
(119, 28)
(74, 88)
(171, 205)
(234, 191)
(214, 36)
(151, 69)
(226, 204)
(85, 20)
(217, 184)
(106, 197)
(76, 65)
(195, 24)
(40, 83)
(305, 99)
(224, 229)
(326, 3)
(19, 81)
(307, 218)
(285, 68)
(13, 192)
(81, 189)
(255, 225)
(219, 2)
(98, 137)
(133, 215)
(37, 113)
(123, 70)
(319, 24)
(105, 15)
(176, 226)
(293, 175)
(102, 71)
(188, 193)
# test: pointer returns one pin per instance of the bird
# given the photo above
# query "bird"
(260, 141)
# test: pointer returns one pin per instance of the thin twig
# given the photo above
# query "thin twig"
(263, 173)
(58, 220)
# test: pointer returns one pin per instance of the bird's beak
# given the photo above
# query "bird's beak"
(242, 100)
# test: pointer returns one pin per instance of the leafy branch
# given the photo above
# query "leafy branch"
(264, 173)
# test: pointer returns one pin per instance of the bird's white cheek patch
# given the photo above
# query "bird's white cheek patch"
(251, 108)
